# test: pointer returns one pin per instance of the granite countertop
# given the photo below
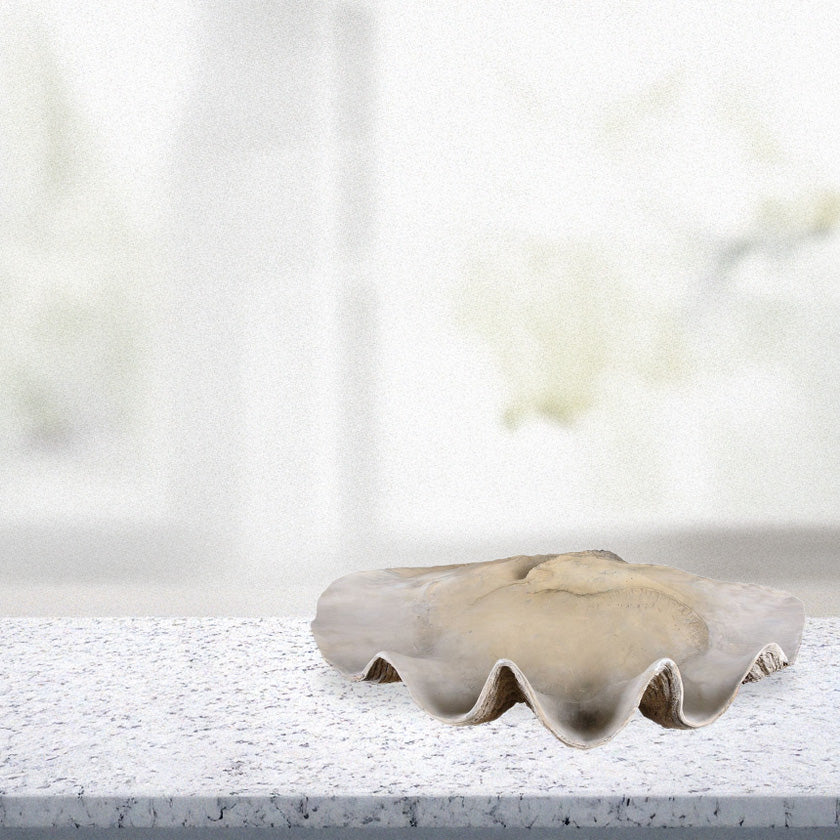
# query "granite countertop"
(235, 722)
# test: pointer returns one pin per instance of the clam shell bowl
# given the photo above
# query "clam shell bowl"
(583, 638)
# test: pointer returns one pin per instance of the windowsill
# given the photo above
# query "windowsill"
(121, 569)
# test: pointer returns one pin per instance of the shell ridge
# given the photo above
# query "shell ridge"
(661, 683)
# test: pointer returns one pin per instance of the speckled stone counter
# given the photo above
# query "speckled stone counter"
(238, 723)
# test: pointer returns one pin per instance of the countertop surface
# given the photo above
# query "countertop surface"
(237, 722)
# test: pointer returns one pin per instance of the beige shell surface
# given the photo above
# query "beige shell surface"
(583, 638)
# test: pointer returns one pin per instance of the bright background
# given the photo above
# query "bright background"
(292, 289)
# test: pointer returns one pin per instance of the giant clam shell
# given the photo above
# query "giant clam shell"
(583, 638)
